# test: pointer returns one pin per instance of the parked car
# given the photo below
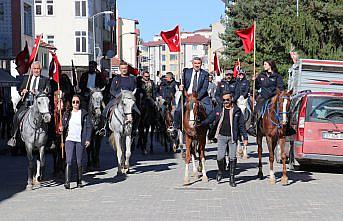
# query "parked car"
(317, 117)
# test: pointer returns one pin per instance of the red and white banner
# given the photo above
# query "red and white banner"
(55, 68)
(35, 49)
(172, 39)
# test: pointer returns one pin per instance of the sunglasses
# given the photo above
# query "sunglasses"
(76, 102)
(226, 100)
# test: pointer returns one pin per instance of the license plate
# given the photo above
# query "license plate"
(332, 136)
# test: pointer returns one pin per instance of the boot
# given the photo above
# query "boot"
(79, 177)
(221, 168)
(67, 177)
(232, 172)
(252, 128)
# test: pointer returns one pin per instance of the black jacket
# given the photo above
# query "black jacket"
(237, 125)
(167, 89)
(100, 81)
(86, 132)
(43, 84)
(241, 89)
(268, 85)
(225, 85)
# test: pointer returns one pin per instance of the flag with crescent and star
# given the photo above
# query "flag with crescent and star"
(172, 39)
(35, 49)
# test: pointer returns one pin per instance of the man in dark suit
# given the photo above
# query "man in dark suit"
(89, 80)
(195, 80)
(31, 85)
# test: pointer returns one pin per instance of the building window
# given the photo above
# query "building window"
(80, 9)
(2, 12)
(38, 7)
(50, 7)
(194, 47)
(50, 39)
(173, 57)
(45, 61)
(81, 41)
(163, 68)
(163, 47)
(173, 67)
(27, 20)
(163, 57)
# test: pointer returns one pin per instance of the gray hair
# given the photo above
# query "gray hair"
(197, 59)
(36, 62)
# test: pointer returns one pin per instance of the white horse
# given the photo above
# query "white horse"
(121, 126)
(34, 133)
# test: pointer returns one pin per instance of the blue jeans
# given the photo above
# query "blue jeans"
(70, 146)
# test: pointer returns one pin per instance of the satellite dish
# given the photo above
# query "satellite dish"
(110, 54)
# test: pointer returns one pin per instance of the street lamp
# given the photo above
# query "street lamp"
(93, 18)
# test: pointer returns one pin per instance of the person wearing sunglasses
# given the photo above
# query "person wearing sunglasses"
(77, 129)
(228, 83)
(229, 122)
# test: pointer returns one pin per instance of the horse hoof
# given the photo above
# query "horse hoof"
(174, 148)
(194, 174)
(199, 169)
(29, 187)
(183, 155)
(204, 179)
(260, 175)
(272, 180)
(284, 181)
(186, 181)
(245, 157)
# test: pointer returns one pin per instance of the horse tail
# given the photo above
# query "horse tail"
(111, 139)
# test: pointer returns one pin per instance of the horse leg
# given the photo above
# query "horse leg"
(187, 160)
(245, 152)
(239, 152)
(152, 138)
(29, 185)
(145, 139)
(202, 144)
(127, 155)
(284, 178)
(195, 171)
(89, 159)
(180, 138)
(118, 146)
(259, 152)
(97, 151)
(271, 147)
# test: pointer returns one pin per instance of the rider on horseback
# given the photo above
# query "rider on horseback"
(195, 80)
(267, 84)
(146, 87)
(122, 81)
(31, 85)
(242, 87)
(226, 84)
(167, 89)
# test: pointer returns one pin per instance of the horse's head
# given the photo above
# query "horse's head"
(127, 101)
(283, 103)
(96, 98)
(41, 104)
(191, 114)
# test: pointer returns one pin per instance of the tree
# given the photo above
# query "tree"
(316, 33)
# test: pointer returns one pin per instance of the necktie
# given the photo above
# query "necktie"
(195, 82)
(34, 84)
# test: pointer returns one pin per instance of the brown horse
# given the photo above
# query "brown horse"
(195, 136)
(272, 125)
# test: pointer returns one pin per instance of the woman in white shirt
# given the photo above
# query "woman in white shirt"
(78, 130)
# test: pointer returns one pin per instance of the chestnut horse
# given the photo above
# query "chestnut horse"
(195, 136)
(272, 125)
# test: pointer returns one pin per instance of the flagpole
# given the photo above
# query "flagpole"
(60, 120)
(180, 77)
(30, 73)
(254, 78)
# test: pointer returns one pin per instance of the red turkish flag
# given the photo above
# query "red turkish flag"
(247, 36)
(216, 64)
(55, 68)
(172, 39)
(21, 60)
(236, 69)
(35, 49)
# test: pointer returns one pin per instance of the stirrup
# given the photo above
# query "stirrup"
(101, 132)
(12, 142)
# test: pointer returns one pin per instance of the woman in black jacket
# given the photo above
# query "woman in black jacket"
(77, 130)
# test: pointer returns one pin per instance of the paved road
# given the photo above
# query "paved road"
(154, 191)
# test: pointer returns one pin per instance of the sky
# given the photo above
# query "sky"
(155, 16)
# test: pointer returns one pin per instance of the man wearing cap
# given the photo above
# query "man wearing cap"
(195, 80)
(242, 86)
(167, 88)
(91, 79)
(226, 84)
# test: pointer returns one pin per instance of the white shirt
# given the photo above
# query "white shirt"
(190, 89)
(75, 127)
(91, 81)
(31, 83)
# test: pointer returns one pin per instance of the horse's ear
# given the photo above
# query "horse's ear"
(102, 89)
(134, 91)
